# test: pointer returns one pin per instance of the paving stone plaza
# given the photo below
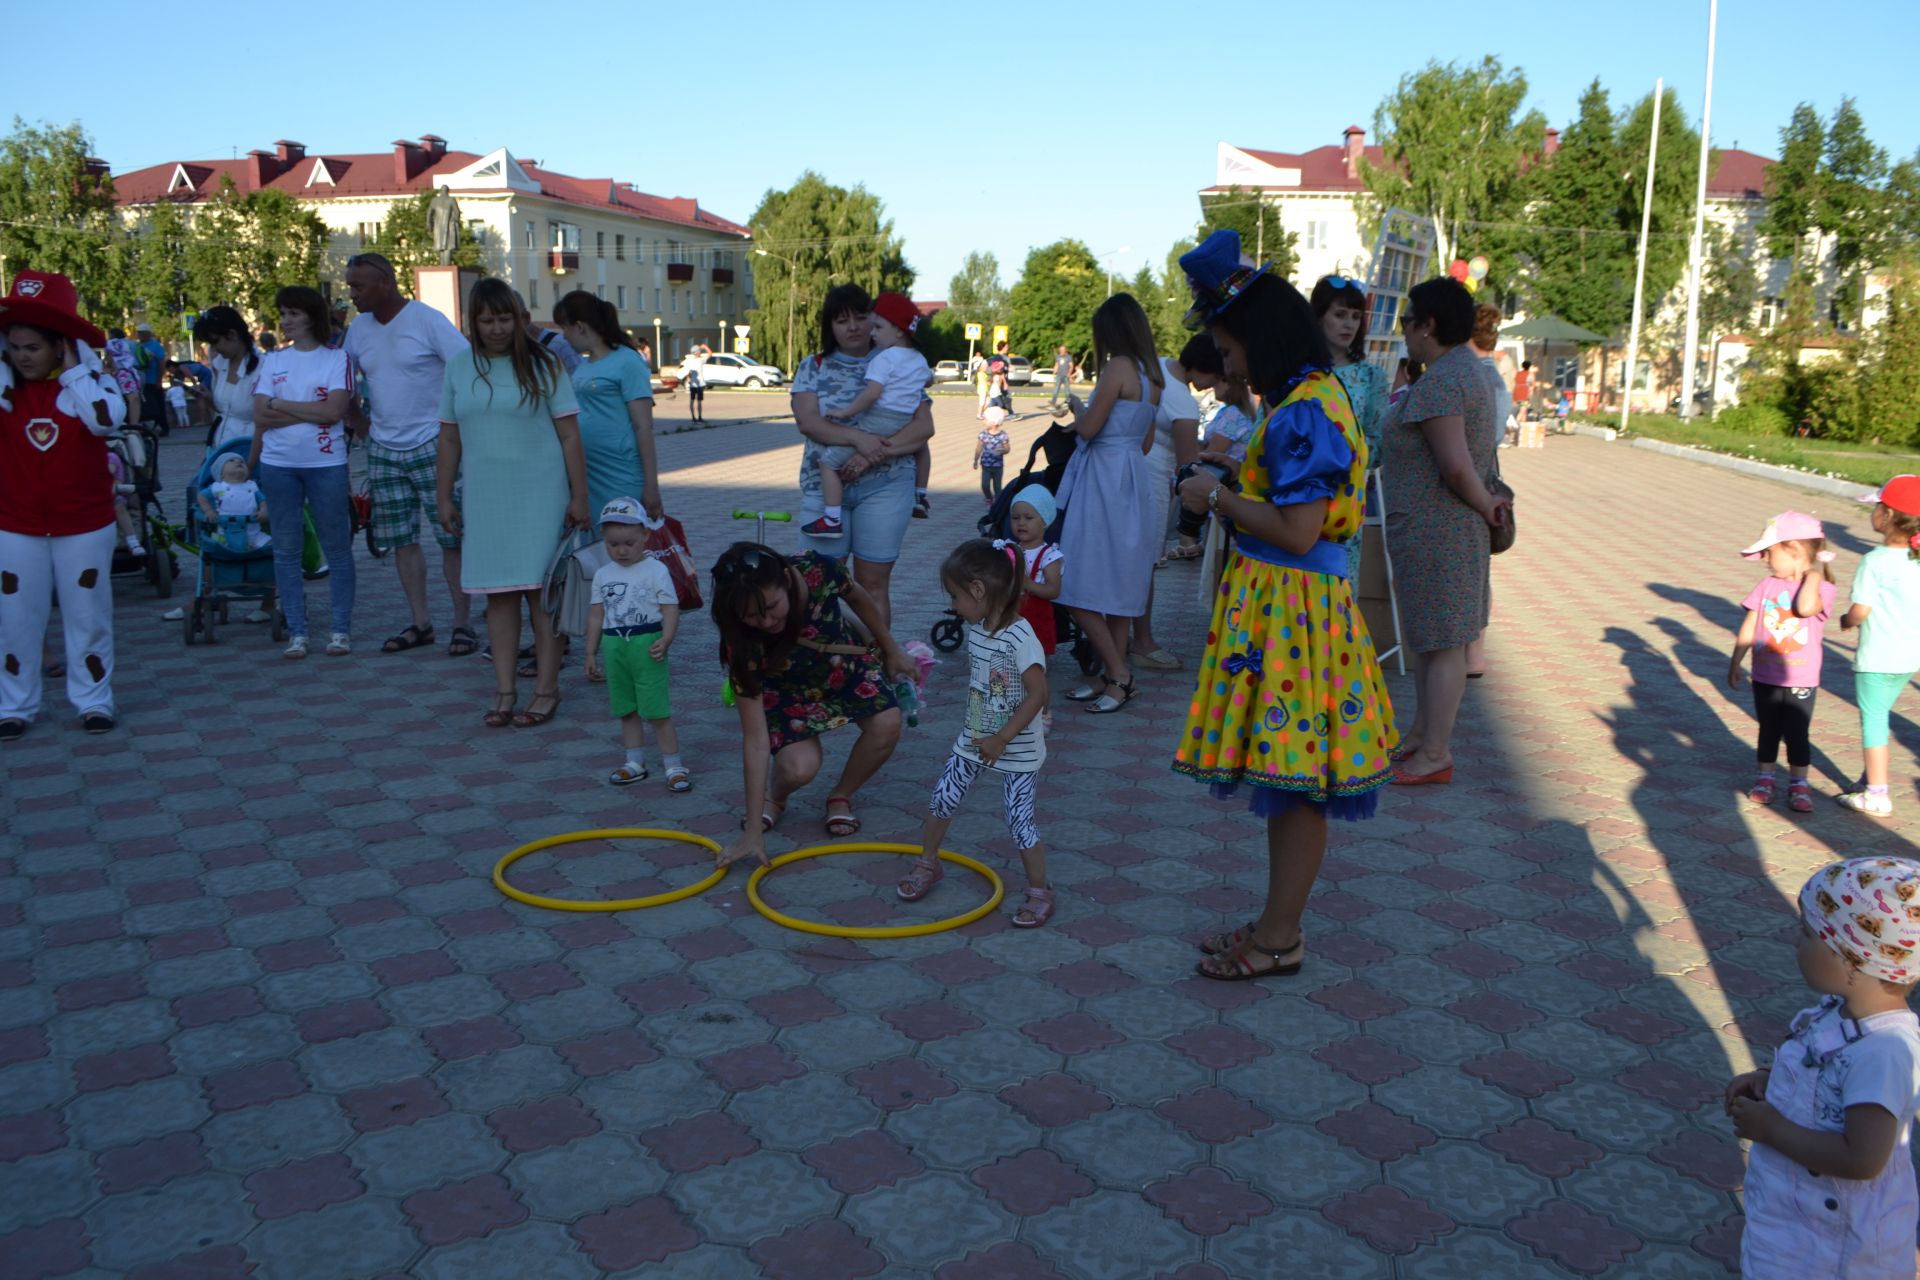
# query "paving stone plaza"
(262, 1012)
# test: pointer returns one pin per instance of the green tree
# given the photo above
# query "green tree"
(1580, 258)
(1852, 207)
(1258, 222)
(406, 240)
(1731, 287)
(1169, 303)
(975, 292)
(57, 213)
(1674, 180)
(1455, 139)
(1902, 231)
(816, 235)
(1054, 300)
(1794, 184)
(156, 269)
(1892, 409)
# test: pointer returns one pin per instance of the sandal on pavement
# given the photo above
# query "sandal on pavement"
(1238, 964)
(530, 718)
(530, 666)
(1800, 796)
(1107, 704)
(500, 715)
(628, 774)
(411, 638)
(1868, 803)
(1157, 660)
(770, 813)
(1186, 551)
(842, 825)
(1035, 911)
(465, 641)
(1086, 692)
(919, 882)
(680, 779)
(1215, 943)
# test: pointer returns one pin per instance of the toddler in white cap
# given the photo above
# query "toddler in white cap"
(630, 626)
(1830, 1186)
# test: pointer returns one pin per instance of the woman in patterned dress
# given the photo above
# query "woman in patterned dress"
(1341, 304)
(1290, 701)
(801, 668)
(1440, 444)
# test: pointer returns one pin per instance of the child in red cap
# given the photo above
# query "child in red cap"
(897, 378)
(1886, 608)
(1784, 629)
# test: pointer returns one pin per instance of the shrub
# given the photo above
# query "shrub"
(1754, 420)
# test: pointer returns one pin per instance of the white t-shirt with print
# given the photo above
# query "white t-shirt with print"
(630, 595)
(405, 364)
(996, 663)
(902, 372)
(303, 377)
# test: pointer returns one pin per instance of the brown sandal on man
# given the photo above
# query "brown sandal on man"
(1238, 964)
(413, 637)
(530, 718)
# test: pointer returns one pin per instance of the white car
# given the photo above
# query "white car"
(949, 371)
(1019, 371)
(724, 369)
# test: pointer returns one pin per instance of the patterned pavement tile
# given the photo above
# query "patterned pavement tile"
(1127, 1148)
(369, 1236)
(1470, 1184)
(963, 1131)
(438, 1150)
(804, 1111)
(744, 1199)
(185, 1214)
(1111, 1233)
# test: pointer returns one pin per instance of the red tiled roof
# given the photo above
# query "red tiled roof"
(378, 174)
(1737, 175)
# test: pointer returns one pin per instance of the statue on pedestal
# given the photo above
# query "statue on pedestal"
(443, 222)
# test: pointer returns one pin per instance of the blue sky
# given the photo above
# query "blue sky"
(996, 128)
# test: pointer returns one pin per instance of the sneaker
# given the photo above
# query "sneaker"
(1800, 796)
(338, 645)
(258, 616)
(1868, 803)
(296, 647)
(1761, 792)
(12, 730)
(824, 526)
(922, 508)
(96, 722)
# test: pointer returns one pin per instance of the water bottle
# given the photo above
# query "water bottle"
(726, 692)
(909, 700)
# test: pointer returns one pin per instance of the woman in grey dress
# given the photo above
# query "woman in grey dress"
(1439, 457)
(1110, 536)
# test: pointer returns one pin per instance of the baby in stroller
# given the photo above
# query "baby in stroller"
(233, 505)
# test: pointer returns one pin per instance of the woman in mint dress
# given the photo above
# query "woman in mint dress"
(509, 434)
(614, 386)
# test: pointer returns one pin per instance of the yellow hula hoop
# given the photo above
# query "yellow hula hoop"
(610, 833)
(894, 931)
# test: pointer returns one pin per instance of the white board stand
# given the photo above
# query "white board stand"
(1374, 516)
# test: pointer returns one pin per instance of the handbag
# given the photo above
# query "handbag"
(1502, 536)
(568, 591)
(667, 543)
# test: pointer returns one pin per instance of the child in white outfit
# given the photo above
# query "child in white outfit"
(1830, 1187)
(234, 495)
(897, 378)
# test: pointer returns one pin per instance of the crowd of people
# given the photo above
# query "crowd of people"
(507, 435)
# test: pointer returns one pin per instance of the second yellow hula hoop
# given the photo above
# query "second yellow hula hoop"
(867, 931)
(610, 833)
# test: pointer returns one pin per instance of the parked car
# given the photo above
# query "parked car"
(1019, 371)
(724, 369)
(949, 371)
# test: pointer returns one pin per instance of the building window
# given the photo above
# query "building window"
(659, 252)
(529, 243)
(533, 293)
(619, 248)
(1769, 313)
(704, 309)
(673, 301)
(599, 244)
(1316, 235)
(620, 296)
(600, 292)
(656, 299)
(564, 236)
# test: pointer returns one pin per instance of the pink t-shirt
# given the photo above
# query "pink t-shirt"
(1786, 649)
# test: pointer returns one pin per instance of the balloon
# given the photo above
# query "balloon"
(1477, 268)
(1458, 269)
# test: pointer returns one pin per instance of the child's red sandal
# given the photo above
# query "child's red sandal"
(1036, 910)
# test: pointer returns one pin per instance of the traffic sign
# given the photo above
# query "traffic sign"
(740, 345)
(999, 334)
(973, 333)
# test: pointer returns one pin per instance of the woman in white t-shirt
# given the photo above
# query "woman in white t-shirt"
(235, 362)
(299, 402)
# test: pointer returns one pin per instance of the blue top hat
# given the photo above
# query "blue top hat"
(1217, 272)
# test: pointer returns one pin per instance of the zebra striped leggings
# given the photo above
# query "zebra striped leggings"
(957, 779)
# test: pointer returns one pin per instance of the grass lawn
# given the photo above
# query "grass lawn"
(1869, 464)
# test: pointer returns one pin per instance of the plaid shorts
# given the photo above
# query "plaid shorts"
(401, 481)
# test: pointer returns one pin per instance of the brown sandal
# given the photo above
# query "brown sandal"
(530, 718)
(1240, 968)
(1216, 943)
(499, 717)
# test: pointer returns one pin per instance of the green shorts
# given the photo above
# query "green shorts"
(636, 680)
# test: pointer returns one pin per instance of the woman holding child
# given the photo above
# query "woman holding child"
(879, 480)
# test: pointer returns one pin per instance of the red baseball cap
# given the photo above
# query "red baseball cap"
(897, 309)
(48, 299)
(1902, 493)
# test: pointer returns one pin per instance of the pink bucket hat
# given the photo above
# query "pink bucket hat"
(1868, 911)
(1788, 526)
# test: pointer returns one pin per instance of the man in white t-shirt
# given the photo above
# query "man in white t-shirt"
(1176, 442)
(402, 348)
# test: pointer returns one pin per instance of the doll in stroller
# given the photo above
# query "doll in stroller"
(236, 553)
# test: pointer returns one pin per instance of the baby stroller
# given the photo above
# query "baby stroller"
(230, 569)
(1057, 443)
(137, 448)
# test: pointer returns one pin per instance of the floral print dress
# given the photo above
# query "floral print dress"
(814, 691)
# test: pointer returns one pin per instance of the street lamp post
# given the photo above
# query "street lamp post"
(793, 276)
(659, 356)
(1113, 253)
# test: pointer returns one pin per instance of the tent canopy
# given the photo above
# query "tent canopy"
(1550, 329)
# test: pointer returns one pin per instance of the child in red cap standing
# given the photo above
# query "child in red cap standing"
(897, 378)
(1886, 608)
(56, 503)
(1785, 625)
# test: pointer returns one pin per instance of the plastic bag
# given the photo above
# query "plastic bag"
(667, 543)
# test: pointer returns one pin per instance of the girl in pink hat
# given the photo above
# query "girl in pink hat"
(1886, 608)
(1785, 625)
(56, 503)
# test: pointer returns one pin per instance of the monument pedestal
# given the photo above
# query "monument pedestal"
(445, 289)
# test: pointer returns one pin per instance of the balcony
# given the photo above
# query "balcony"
(722, 276)
(679, 273)
(562, 261)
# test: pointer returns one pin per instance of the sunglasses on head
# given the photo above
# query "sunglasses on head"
(1348, 282)
(729, 567)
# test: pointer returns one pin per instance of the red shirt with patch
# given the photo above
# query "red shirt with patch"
(54, 480)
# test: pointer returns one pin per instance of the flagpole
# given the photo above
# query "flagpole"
(1696, 271)
(1640, 271)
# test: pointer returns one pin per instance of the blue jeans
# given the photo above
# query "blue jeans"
(323, 491)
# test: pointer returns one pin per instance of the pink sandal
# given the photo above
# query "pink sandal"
(919, 882)
(1035, 911)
